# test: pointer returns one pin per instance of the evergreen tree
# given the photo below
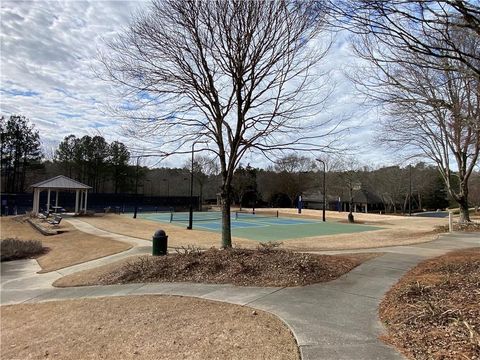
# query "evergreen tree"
(20, 151)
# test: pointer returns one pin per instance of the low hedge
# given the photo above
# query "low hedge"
(14, 249)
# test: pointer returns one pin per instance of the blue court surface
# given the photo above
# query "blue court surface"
(260, 228)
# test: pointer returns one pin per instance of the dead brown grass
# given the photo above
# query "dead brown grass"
(433, 312)
(65, 249)
(144, 229)
(143, 327)
(244, 267)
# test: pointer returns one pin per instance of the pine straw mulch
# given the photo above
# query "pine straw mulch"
(433, 312)
(266, 266)
(473, 226)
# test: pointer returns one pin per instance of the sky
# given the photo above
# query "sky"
(48, 53)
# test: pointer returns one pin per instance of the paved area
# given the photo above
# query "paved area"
(334, 320)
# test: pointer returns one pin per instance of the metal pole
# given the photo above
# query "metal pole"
(190, 215)
(136, 189)
(324, 189)
(410, 191)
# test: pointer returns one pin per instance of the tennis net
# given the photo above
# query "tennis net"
(197, 216)
(255, 214)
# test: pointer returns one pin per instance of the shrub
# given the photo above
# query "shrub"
(14, 249)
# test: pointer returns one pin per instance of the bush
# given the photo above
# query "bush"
(14, 249)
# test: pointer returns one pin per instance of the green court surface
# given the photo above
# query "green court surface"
(261, 228)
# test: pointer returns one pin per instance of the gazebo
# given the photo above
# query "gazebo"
(57, 184)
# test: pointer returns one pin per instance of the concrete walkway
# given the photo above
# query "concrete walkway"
(334, 320)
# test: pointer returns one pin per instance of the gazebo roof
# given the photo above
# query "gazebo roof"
(60, 182)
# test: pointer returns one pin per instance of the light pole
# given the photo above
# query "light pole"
(410, 190)
(324, 189)
(190, 213)
(136, 188)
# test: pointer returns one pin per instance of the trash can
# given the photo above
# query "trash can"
(159, 246)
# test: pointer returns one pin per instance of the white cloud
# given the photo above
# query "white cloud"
(49, 48)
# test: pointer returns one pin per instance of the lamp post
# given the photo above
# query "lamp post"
(190, 213)
(410, 191)
(136, 188)
(324, 189)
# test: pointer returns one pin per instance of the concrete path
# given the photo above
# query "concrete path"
(92, 230)
(334, 320)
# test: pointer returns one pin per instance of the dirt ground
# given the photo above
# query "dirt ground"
(243, 267)
(433, 312)
(143, 327)
(68, 248)
(398, 230)
(177, 235)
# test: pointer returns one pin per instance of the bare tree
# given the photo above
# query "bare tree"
(424, 27)
(350, 180)
(424, 68)
(244, 182)
(204, 167)
(294, 175)
(238, 74)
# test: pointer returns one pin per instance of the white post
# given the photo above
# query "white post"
(35, 202)
(48, 201)
(56, 200)
(76, 201)
(81, 201)
(86, 195)
(450, 221)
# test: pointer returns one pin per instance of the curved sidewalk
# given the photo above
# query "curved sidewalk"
(334, 320)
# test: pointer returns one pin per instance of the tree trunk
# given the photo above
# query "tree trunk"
(464, 214)
(351, 219)
(226, 221)
(405, 202)
(350, 214)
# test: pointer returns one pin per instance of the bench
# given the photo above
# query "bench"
(44, 215)
(55, 221)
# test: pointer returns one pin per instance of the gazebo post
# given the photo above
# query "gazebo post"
(56, 200)
(36, 200)
(48, 201)
(81, 201)
(86, 195)
(76, 201)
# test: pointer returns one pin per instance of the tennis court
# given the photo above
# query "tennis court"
(261, 226)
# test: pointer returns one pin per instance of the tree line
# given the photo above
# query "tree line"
(95, 162)
(89, 159)
(107, 168)
(20, 151)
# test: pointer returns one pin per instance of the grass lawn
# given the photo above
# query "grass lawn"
(433, 312)
(68, 248)
(143, 327)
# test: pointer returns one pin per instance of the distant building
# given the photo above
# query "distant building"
(363, 201)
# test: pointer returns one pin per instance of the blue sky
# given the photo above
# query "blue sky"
(49, 50)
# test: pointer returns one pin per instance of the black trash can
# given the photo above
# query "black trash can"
(160, 240)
